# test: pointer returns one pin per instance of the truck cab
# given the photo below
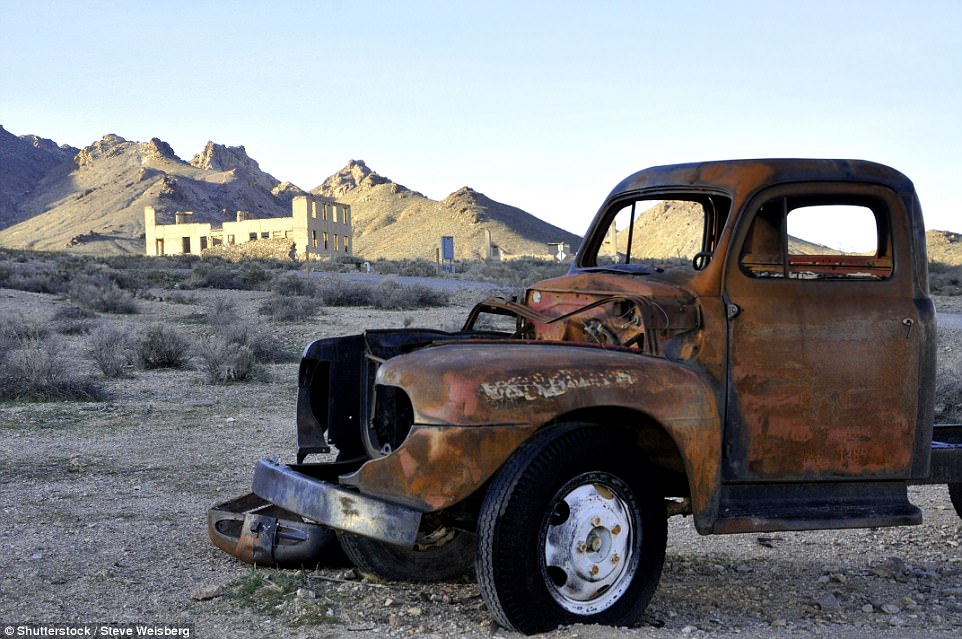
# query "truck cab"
(749, 342)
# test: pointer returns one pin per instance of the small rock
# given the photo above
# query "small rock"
(868, 608)
(415, 611)
(891, 608)
(305, 593)
(828, 602)
(208, 593)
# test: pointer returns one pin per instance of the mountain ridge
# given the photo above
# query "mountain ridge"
(91, 200)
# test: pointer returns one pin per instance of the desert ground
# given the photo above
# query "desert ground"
(105, 508)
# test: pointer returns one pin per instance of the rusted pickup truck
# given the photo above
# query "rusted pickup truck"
(751, 343)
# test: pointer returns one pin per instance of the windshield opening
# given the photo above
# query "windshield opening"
(653, 233)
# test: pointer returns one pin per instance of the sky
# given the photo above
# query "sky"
(541, 105)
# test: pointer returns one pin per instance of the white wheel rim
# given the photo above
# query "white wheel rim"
(589, 557)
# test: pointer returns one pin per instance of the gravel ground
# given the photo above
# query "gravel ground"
(105, 522)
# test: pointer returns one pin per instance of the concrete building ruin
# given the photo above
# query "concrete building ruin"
(318, 226)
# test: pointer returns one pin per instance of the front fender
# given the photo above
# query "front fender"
(518, 387)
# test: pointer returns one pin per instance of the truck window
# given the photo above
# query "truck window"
(662, 233)
(804, 239)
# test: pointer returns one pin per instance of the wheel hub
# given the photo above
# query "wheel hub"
(588, 548)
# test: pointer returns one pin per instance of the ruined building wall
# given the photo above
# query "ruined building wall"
(317, 227)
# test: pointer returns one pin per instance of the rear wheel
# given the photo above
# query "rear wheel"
(440, 554)
(955, 493)
(571, 531)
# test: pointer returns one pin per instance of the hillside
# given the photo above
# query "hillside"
(944, 247)
(91, 200)
(24, 162)
(391, 221)
(94, 202)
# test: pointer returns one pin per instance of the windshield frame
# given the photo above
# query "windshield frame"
(716, 203)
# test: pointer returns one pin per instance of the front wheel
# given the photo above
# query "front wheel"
(571, 531)
(440, 554)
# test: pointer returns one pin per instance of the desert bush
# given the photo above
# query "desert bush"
(332, 291)
(246, 277)
(414, 268)
(34, 369)
(35, 277)
(227, 361)
(161, 346)
(391, 295)
(180, 297)
(73, 313)
(100, 293)
(293, 283)
(222, 313)
(945, 279)
(948, 378)
(267, 348)
(72, 320)
(517, 273)
(289, 309)
(19, 328)
(111, 349)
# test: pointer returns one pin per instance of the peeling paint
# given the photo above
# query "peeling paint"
(548, 385)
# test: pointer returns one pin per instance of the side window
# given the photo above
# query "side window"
(813, 239)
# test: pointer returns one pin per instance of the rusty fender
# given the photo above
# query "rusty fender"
(475, 403)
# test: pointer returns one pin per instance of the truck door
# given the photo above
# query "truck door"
(823, 337)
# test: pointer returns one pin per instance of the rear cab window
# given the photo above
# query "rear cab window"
(823, 238)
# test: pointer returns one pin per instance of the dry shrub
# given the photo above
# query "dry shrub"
(222, 313)
(227, 361)
(293, 283)
(267, 348)
(100, 293)
(289, 309)
(388, 295)
(110, 347)
(161, 346)
(35, 369)
(392, 295)
(948, 377)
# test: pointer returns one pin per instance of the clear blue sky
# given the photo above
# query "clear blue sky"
(542, 105)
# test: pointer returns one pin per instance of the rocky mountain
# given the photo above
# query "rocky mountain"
(944, 247)
(393, 221)
(93, 200)
(24, 162)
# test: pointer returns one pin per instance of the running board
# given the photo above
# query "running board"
(767, 507)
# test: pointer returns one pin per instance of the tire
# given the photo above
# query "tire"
(444, 554)
(571, 531)
(955, 493)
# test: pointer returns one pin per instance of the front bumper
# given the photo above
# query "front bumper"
(335, 506)
(258, 532)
